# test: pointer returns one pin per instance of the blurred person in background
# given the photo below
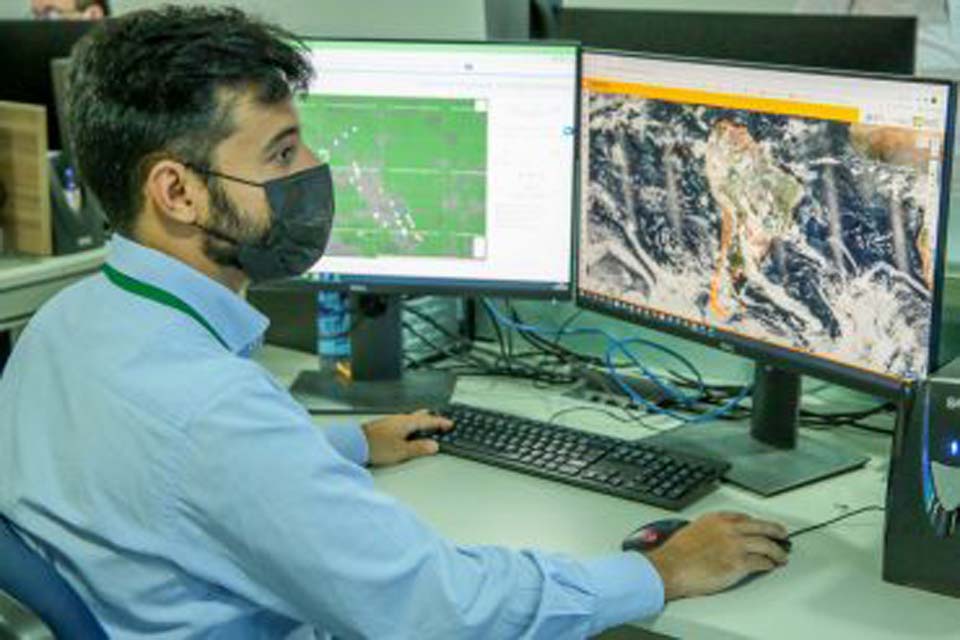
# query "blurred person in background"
(69, 9)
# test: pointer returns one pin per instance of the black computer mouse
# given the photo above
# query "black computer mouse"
(652, 535)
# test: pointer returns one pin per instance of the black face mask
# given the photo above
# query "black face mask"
(301, 218)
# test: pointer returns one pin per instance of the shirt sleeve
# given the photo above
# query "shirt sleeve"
(349, 441)
(268, 510)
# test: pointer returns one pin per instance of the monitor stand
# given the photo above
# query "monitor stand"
(766, 455)
(377, 381)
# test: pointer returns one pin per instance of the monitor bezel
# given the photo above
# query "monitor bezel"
(887, 386)
(451, 286)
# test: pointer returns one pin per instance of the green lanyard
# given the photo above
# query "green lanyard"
(150, 292)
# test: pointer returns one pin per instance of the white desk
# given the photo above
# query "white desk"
(831, 589)
(27, 282)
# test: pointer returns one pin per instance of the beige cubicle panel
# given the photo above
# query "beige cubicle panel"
(25, 214)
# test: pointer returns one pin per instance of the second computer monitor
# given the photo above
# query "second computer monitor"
(796, 217)
(453, 164)
(790, 216)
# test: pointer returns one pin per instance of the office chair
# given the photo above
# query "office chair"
(31, 582)
(19, 623)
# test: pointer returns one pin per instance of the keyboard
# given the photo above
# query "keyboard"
(625, 468)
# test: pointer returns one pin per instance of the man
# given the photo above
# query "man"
(171, 480)
(70, 9)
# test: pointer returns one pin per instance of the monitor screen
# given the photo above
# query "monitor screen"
(784, 214)
(453, 164)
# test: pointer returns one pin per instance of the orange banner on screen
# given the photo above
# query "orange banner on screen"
(726, 100)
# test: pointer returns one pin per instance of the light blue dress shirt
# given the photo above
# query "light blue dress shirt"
(185, 494)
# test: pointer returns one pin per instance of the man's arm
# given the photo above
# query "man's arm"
(267, 509)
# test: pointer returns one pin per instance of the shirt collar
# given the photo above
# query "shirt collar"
(239, 324)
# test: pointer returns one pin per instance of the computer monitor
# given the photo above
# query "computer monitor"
(29, 47)
(790, 216)
(59, 74)
(863, 43)
(453, 167)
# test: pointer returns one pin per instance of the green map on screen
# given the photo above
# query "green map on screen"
(409, 173)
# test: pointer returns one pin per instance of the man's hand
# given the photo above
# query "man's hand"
(715, 552)
(387, 437)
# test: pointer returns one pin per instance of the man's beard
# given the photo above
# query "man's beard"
(226, 219)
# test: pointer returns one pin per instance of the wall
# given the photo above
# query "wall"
(406, 18)
(373, 18)
(305, 11)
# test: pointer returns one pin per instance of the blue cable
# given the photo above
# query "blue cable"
(651, 407)
(621, 344)
(677, 395)
(555, 333)
(667, 389)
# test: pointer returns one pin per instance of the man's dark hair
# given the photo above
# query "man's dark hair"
(104, 5)
(162, 83)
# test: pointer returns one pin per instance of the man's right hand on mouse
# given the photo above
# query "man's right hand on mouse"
(715, 552)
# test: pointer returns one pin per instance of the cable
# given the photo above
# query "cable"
(720, 411)
(629, 419)
(533, 333)
(859, 426)
(838, 418)
(807, 418)
(498, 332)
(532, 329)
(827, 523)
(481, 367)
(667, 389)
(504, 364)
(448, 351)
(566, 323)
(509, 335)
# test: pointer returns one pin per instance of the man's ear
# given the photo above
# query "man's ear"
(174, 191)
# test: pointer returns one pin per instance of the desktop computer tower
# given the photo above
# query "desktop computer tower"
(922, 537)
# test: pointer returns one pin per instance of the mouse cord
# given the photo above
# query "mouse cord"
(827, 523)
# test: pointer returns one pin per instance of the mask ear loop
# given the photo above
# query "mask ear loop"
(208, 174)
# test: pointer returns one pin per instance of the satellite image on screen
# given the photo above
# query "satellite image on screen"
(811, 234)
(409, 173)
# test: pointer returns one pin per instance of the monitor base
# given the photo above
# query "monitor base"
(756, 466)
(327, 392)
